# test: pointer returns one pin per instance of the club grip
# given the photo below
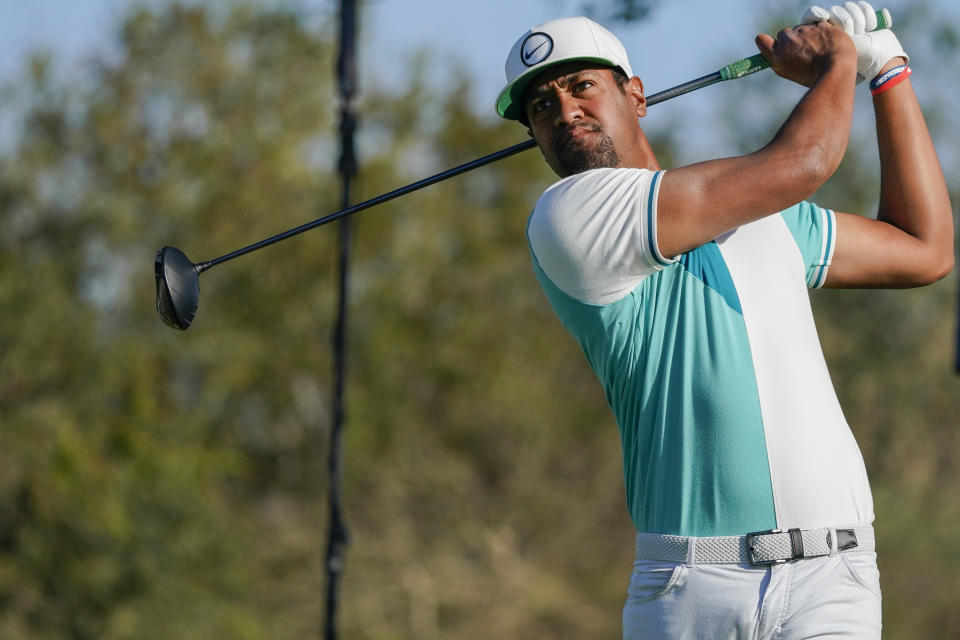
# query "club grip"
(754, 63)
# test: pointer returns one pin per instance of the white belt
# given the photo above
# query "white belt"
(760, 548)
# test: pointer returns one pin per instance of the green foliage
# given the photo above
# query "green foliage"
(171, 485)
(134, 458)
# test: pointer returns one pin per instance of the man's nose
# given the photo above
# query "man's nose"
(568, 110)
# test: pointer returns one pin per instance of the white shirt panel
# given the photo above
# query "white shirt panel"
(594, 233)
(817, 471)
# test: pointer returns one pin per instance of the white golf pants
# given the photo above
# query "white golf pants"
(835, 596)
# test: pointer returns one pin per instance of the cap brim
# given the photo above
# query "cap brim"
(510, 100)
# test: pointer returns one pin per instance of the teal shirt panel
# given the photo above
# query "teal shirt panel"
(812, 229)
(675, 365)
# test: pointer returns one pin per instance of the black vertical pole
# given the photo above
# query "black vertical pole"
(337, 539)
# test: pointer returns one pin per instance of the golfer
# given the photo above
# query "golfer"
(687, 291)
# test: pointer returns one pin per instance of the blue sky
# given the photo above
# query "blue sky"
(478, 34)
(475, 34)
(682, 40)
(482, 37)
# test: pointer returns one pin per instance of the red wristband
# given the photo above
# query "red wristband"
(892, 82)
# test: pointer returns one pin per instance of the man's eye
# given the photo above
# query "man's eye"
(583, 85)
(540, 106)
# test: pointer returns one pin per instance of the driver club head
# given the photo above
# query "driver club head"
(178, 288)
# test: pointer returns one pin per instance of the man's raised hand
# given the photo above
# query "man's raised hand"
(806, 52)
(858, 19)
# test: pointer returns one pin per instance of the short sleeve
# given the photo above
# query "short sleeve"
(814, 229)
(594, 234)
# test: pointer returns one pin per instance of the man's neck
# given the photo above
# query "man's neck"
(642, 155)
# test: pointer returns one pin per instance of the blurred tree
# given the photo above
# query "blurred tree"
(129, 453)
(169, 485)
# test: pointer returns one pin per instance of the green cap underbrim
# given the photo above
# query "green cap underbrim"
(510, 100)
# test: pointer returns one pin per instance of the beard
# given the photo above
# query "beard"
(589, 152)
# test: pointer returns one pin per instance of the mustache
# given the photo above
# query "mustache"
(563, 136)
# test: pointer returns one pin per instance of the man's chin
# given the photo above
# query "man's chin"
(578, 163)
(588, 152)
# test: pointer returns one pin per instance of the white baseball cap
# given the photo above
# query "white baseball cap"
(549, 44)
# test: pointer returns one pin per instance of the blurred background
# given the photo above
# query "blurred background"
(157, 484)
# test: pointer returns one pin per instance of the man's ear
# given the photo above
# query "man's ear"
(635, 91)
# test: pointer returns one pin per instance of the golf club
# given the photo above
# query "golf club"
(178, 279)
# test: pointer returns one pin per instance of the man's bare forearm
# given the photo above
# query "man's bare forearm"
(913, 192)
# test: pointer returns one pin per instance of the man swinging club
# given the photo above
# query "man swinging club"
(687, 291)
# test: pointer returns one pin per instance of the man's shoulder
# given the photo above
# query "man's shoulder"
(595, 185)
(592, 233)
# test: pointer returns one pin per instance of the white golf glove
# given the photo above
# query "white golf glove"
(858, 19)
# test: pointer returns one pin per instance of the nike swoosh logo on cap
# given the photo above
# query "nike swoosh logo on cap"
(529, 54)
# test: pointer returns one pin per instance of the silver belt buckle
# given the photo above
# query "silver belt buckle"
(751, 549)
